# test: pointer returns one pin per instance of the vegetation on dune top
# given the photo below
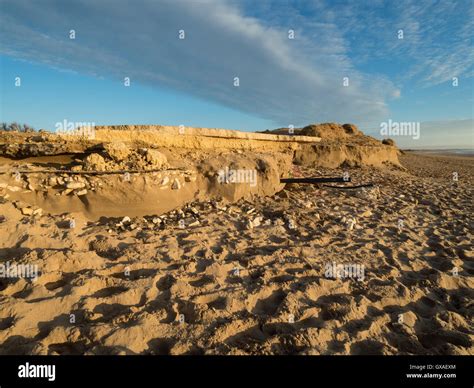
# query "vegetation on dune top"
(16, 127)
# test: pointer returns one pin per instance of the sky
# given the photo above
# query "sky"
(247, 65)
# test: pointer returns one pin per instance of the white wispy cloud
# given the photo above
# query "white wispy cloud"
(437, 37)
(288, 81)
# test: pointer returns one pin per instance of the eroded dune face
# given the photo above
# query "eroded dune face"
(344, 145)
(335, 154)
(128, 170)
(119, 178)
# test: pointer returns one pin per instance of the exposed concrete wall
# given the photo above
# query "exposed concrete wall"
(202, 138)
(208, 132)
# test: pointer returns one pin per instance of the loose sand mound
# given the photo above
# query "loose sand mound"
(334, 154)
(341, 145)
(332, 131)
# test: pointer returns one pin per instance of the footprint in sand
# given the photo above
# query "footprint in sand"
(266, 302)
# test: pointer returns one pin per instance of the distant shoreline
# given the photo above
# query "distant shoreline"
(446, 152)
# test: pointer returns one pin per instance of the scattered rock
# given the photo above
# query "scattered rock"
(52, 181)
(27, 211)
(117, 151)
(176, 185)
(291, 224)
(351, 222)
(255, 223)
(80, 193)
(95, 162)
(155, 158)
(278, 222)
(75, 185)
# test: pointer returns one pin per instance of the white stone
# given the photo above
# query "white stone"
(81, 192)
(27, 211)
(75, 185)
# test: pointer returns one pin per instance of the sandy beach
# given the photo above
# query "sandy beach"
(310, 269)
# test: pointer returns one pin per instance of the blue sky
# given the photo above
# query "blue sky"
(282, 81)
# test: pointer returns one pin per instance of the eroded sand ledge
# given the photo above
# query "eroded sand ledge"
(169, 166)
